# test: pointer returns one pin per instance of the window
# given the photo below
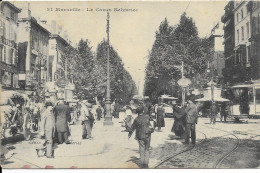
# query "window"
(237, 18)
(11, 58)
(238, 36)
(12, 15)
(247, 29)
(4, 54)
(248, 54)
(242, 32)
(1, 53)
(11, 32)
(242, 14)
(1, 28)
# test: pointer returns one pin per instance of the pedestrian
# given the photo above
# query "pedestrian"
(179, 120)
(223, 113)
(160, 117)
(99, 112)
(143, 129)
(213, 112)
(27, 123)
(128, 119)
(35, 116)
(62, 115)
(191, 121)
(48, 129)
(86, 120)
(117, 110)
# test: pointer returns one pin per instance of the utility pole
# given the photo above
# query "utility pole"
(108, 118)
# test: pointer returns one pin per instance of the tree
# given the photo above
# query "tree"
(172, 46)
(122, 85)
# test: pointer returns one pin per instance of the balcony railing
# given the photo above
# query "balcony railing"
(10, 43)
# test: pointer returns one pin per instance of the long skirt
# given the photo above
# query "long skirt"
(178, 127)
(160, 121)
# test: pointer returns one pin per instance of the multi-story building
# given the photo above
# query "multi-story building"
(8, 45)
(33, 50)
(254, 7)
(58, 43)
(218, 60)
(229, 41)
(242, 58)
(242, 41)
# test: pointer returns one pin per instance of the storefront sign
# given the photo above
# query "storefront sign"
(7, 79)
(15, 81)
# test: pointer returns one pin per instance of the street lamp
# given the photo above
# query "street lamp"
(108, 117)
(183, 82)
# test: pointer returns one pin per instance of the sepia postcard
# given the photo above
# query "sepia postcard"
(130, 84)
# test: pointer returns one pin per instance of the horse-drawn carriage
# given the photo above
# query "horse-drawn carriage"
(12, 112)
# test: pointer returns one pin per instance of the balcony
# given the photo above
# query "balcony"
(10, 43)
(226, 16)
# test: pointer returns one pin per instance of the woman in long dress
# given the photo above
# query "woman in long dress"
(160, 117)
(128, 119)
(179, 121)
(27, 123)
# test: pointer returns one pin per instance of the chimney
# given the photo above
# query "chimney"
(65, 35)
(59, 29)
(53, 27)
(26, 11)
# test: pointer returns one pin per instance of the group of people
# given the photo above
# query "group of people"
(55, 122)
(186, 118)
(216, 110)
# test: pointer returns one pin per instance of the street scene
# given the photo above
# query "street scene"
(137, 85)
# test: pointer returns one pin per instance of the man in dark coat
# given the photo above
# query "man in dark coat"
(99, 112)
(213, 112)
(191, 119)
(62, 114)
(142, 125)
(160, 117)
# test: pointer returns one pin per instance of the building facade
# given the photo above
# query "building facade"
(241, 32)
(58, 42)
(242, 57)
(8, 45)
(254, 7)
(229, 41)
(33, 50)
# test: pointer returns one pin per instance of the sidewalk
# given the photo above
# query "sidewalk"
(111, 148)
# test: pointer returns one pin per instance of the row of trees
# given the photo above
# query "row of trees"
(88, 70)
(173, 45)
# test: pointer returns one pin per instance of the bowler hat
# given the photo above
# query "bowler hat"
(48, 104)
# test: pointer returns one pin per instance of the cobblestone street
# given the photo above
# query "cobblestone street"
(214, 147)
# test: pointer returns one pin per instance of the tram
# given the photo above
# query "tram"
(245, 101)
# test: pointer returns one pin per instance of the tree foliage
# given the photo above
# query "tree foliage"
(172, 46)
(89, 72)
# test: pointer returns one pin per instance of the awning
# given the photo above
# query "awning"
(243, 86)
(217, 99)
(168, 97)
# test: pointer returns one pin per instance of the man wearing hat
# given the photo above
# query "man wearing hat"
(143, 130)
(191, 119)
(48, 128)
(62, 114)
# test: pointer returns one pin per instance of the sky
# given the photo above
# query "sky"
(132, 34)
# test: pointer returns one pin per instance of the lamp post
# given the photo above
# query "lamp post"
(108, 118)
(183, 82)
